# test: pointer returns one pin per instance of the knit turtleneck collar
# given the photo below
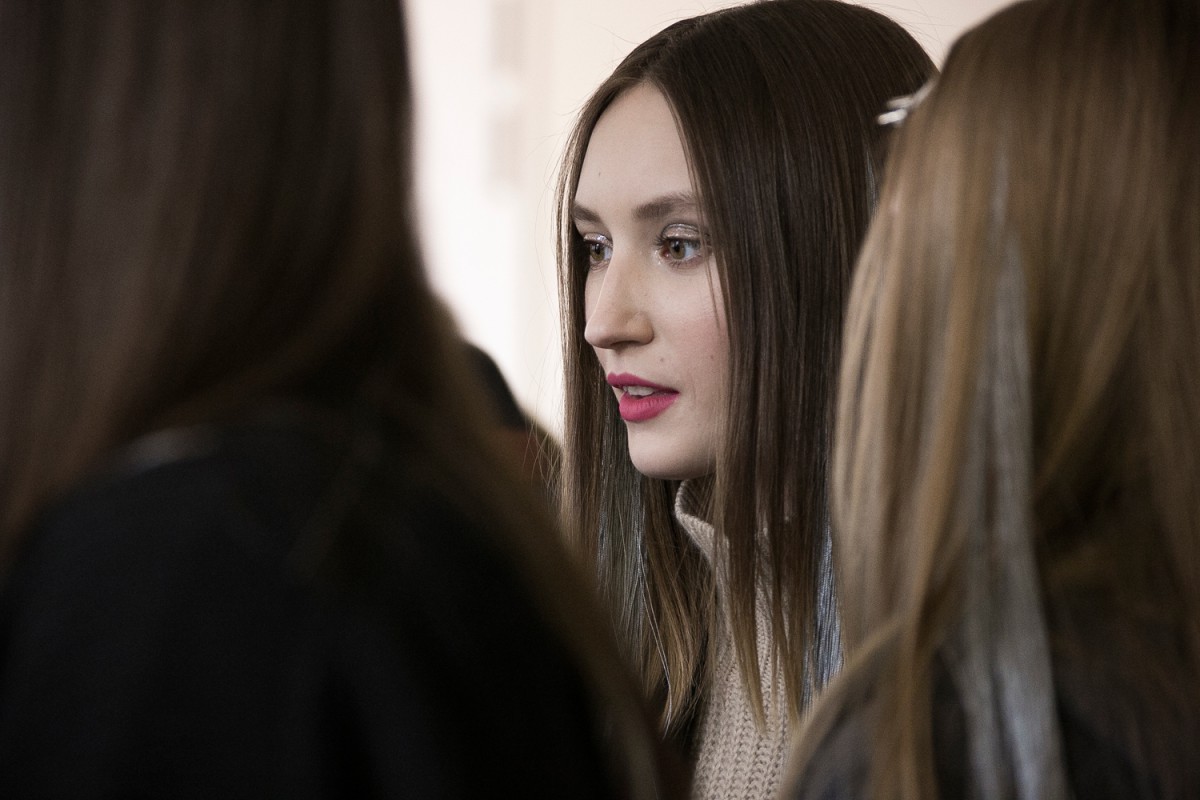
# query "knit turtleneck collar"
(736, 756)
(689, 507)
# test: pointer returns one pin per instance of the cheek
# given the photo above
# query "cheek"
(705, 327)
(707, 351)
(718, 357)
(716, 338)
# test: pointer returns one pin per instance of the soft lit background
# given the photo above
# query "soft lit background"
(498, 84)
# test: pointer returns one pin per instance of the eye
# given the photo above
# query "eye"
(599, 249)
(681, 249)
(681, 244)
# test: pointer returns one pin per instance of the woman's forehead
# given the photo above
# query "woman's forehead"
(635, 159)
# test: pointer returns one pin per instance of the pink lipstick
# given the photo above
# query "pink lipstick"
(640, 399)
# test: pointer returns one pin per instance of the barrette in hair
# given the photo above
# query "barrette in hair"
(898, 108)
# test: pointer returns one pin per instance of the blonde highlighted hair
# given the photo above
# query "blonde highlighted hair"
(1018, 434)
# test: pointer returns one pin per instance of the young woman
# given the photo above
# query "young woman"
(252, 540)
(713, 196)
(1018, 439)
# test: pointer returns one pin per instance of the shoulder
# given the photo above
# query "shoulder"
(831, 759)
(265, 611)
(194, 513)
(150, 611)
(320, 514)
(836, 749)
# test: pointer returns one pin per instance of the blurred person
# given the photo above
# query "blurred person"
(254, 541)
(1018, 436)
(533, 449)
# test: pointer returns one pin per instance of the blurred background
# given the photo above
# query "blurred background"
(498, 84)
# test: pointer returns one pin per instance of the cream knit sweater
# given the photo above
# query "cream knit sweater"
(736, 759)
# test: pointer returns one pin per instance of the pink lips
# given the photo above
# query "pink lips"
(640, 409)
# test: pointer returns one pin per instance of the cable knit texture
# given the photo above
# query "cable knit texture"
(736, 758)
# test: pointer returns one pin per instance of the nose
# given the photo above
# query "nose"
(615, 308)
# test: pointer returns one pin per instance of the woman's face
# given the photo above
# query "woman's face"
(652, 298)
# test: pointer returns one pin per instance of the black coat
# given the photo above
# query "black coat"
(245, 620)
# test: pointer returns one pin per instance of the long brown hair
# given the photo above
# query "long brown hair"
(204, 206)
(187, 221)
(775, 103)
(1018, 435)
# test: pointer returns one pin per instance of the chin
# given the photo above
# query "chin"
(668, 470)
(671, 458)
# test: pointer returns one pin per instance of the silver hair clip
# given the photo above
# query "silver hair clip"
(898, 108)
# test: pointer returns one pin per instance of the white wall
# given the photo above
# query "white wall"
(498, 83)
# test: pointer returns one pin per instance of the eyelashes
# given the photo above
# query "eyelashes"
(677, 244)
(599, 249)
(681, 247)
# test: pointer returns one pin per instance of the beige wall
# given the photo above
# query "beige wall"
(498, 83)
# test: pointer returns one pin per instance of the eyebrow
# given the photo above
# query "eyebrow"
(666, 205)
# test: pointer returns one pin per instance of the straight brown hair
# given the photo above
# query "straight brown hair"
(775, 103)
(1018, 435)
(208, 206)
